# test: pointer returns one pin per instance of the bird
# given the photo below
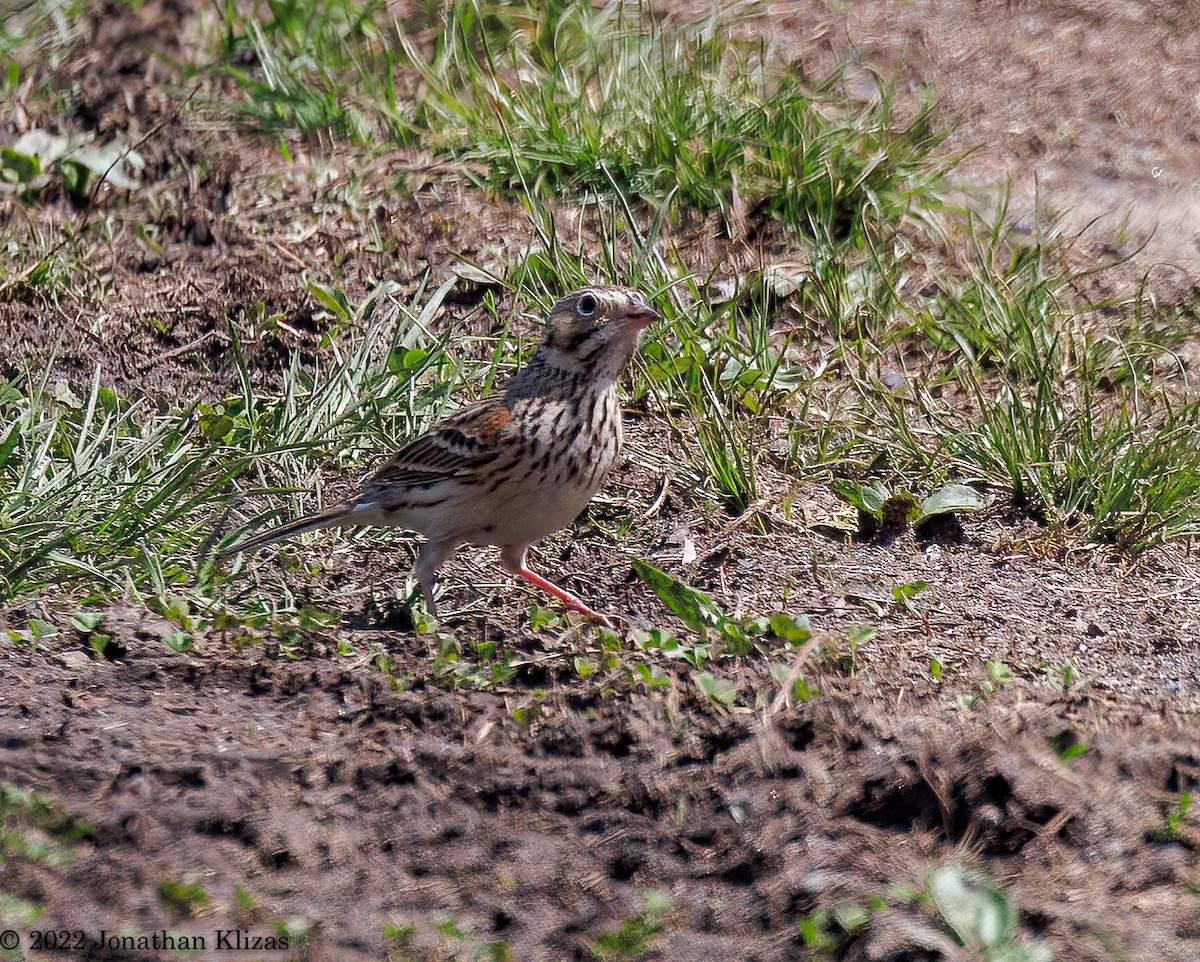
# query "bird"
(514, 467)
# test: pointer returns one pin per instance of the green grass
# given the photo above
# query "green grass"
(1075, 414)
(38, 34)
(563, 97)
(322, 67)
(99, 495)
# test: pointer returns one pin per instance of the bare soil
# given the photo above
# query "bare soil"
(329, 795)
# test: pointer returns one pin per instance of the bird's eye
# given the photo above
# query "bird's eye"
(585, 306)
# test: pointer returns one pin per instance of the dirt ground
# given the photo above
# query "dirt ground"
(334, 798)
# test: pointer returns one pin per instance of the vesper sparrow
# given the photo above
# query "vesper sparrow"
(516, 466)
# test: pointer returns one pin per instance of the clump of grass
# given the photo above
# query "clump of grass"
(1006, 313)
(85, 488)
(634, 938)
(564, 97)
(1127, 475)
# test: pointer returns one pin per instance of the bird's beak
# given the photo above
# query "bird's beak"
(641, 314)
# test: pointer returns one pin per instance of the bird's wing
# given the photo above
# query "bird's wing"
(456, 447)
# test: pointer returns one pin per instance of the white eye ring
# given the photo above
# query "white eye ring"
(586, 306)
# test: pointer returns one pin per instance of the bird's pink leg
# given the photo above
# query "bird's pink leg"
(568, 599)
(512, 557)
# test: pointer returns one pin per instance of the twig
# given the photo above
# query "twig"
(176, 351)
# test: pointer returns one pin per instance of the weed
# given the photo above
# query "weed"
(982, 916)
(32, 828)
(634, 938)
(1174, 824)
(182, 899)
(967, 907)
(476, 664)
(996, 673)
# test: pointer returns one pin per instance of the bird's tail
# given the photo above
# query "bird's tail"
(329, 518)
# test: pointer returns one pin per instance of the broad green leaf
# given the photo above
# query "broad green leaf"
(803, 691)
(18, 167)
(179, 641)
(694, 608)
(1072, 751)
(698, 612)
(41, 629)
(332, 300)
(952, 498)
(99, 642)
(981, 914)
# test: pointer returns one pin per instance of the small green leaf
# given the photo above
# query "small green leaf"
(908, 591)
(694, 608)
(414, 357)
(720, 690)
(179, 641)
(868, 498)
(542, 618)
(794, 630)
(935, 670)
(99, 642)
(332, 300)
(85, 622)
(75, 177)
(216, 427)
(1071, 751)
(41, 629)
(19, 167)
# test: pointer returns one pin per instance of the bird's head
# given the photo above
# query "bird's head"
(595, 330)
